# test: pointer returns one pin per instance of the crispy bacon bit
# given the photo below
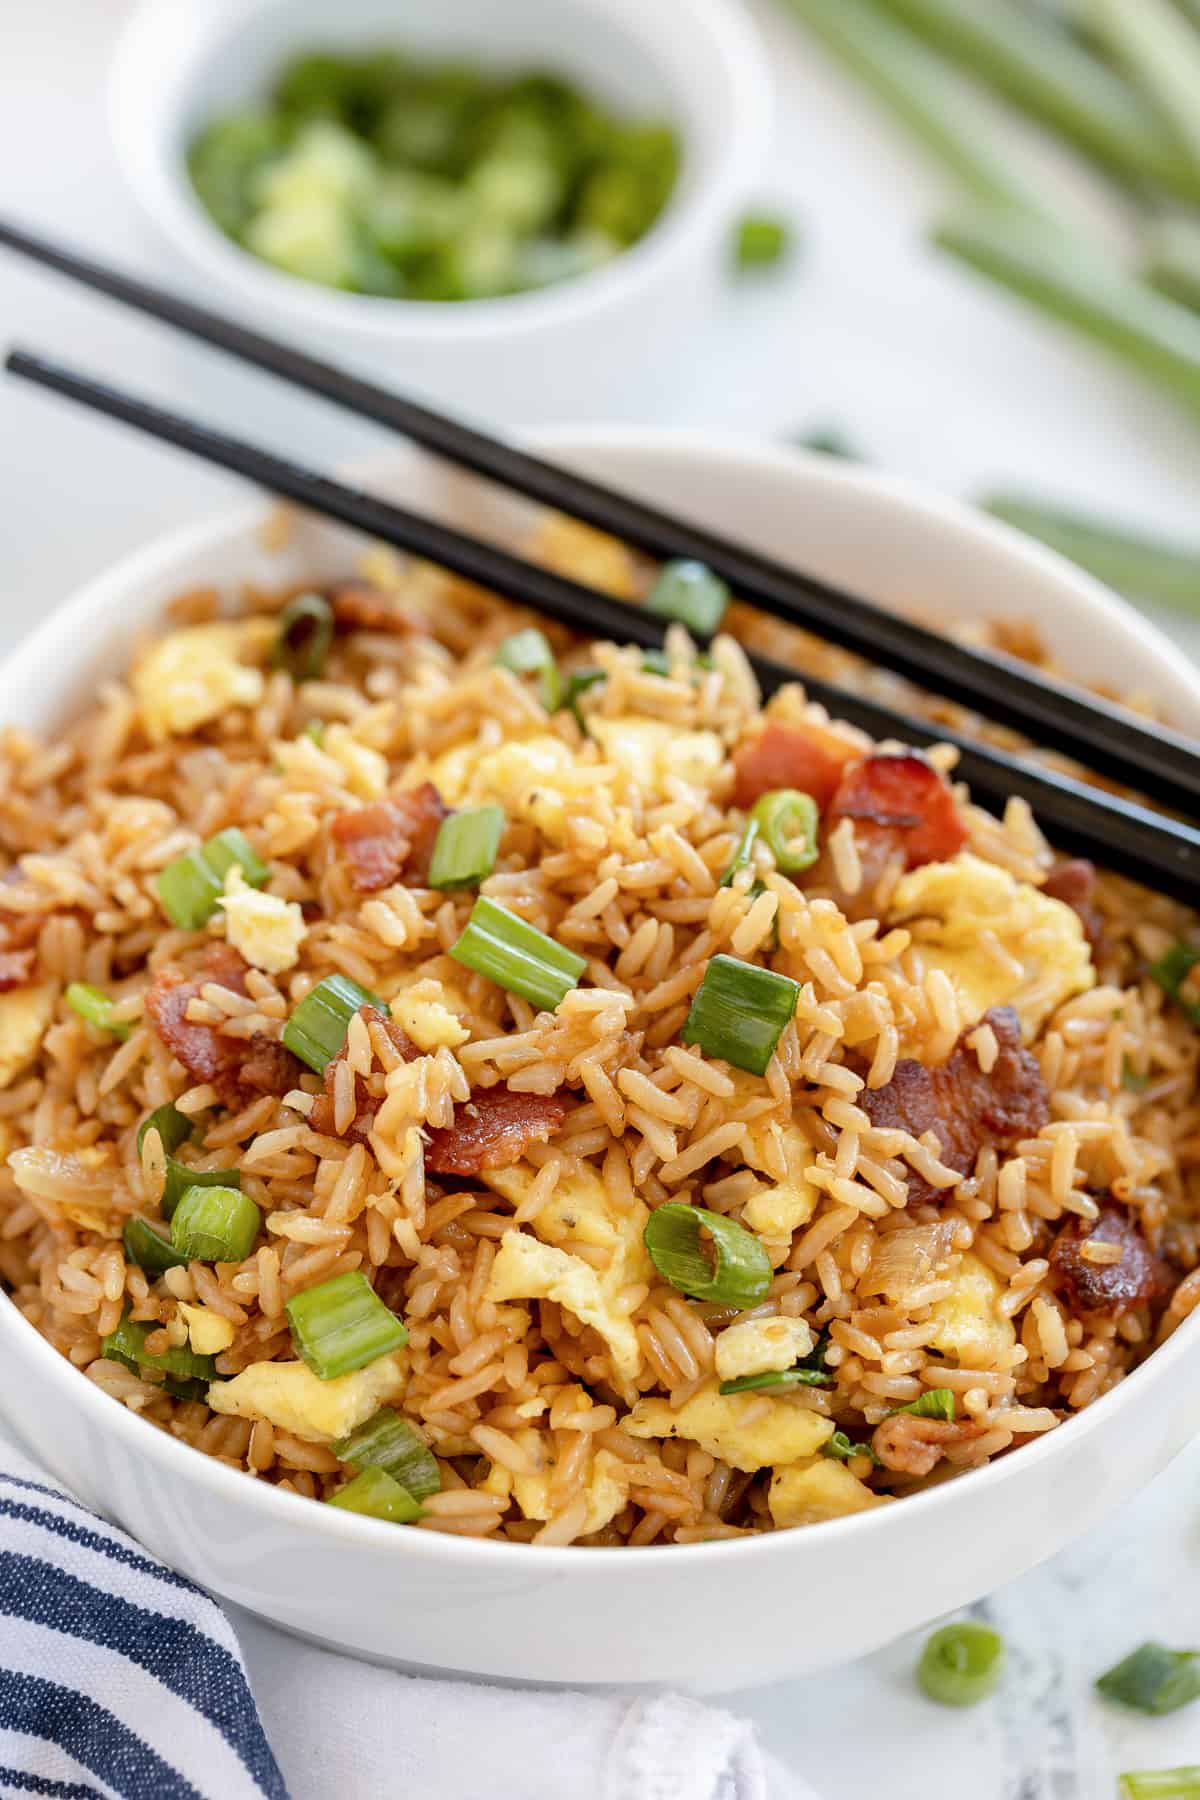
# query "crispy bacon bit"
(359, 607)
(1074, 883)
(16, 968)
(903, 801)
(913, 1446)
(366, 1104)
(790, 756)
(965, 1108)
(1108, 1289)
(235, 1067)
(493, 1130)
(389, 838)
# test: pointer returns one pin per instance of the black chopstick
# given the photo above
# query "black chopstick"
(1106, 738)
(1125, 837)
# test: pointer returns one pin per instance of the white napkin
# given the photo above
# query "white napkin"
(119, 1678)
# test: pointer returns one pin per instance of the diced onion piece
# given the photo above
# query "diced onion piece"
(740, 1012)
(737, 1273)
(342, 1324)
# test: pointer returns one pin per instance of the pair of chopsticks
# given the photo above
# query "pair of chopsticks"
(1119, 833)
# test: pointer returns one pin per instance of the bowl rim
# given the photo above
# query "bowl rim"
(168, 201)
(269, 1504)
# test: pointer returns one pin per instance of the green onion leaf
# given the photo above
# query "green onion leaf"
(148, 1248)
(778, 1378)
(934, 1403)
(464, 852)
(743, 856)
(842, 1449)
(1131, 1080)
(732, 1268)
(180, 1178)
(739, 1013)
(94, 1006)
(1161, 1784)
(389, 1442)
(517, 956)
(656, 662)
(578, 682)
(342, 1324)
(761, 241)
(317, 1029)
(190, 887)
(789, 823)
(961, 1664)
(230, 847)
(528, 652)
(1153, 1679)
(215, 1224)
(127, 1345)
(171, 1125)
(304, 638)
(1170, 972)
(375, 1494)
(691, 593)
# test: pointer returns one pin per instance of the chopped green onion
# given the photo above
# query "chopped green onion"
(743, 856)
(1160, 49)
(317, 1029)
(1161, 1784)
(179, 1178)
(127, 1345)
(1153, 1679)
(578, 682)
(789, 822)
(148, 1248)
(739, 1013)
(517, 956)
(528, 652)
(778, 1378)
(691, 593)
(961, 1664)
(732, 1268)
(389, 1442)
(1131, 1080)
(342, 1324)
(171, 1125)
(304, 637)
(760, 241)
(215, 1224)
(934, 1403)
(841, 1448)
(1171, 970)
(656, 662)
(230, 847)
(1137, 565)
(464, 852)
(828, 440)
(315, 729)
(375, 1494)
(94, 1006)
(190, 887)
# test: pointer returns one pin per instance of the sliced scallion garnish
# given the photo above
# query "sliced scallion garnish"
(127, 1345)
(1153, 1679)
(389, 1442)
(528, 652)
(656, 662)
(732, 1268)
(304, 637)
(690, 592)
(934, 1403)
(740, 1012)
(578, 682)
(375, 1494)
(789, 823)
(148, 1248)
(517, 956)
(215, 1224)
(232, 846)
(317, 1029)
(743, 856)
(190, 887)
(172, 1126)
(342, 1324)
(94, 1006)
(841, 1448)
(961, 1663)
(761, 239)
(1170, 972)
(1161, 1784)
(179, 1178)
(778, 1378)
(464, 852)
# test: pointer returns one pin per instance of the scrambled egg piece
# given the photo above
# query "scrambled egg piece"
(526, 1269)
(748, 1431)
(970, 1327)
(649, 751)
(195, 675)
(208, 1333)
(522, 776)
(757, 1345)
(776, 1212)
(365, 770)
(267, 930)
(819, 1489)
(24, 1016)
(421, 1012)
(292, 1397)
(585, 554)
(1047, 958)
(605, 1485)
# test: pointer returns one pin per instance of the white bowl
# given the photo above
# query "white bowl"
(714, 1615)
(613, 340)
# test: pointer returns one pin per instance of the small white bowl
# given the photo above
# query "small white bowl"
(700, 1616)
(610, 341)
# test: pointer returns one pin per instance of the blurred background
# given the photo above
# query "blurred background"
(840, 319)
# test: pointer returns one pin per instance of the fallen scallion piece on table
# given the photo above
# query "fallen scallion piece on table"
(317, 1028)
(761, 241)
(1171, 260)
(342, 1324)
(378, 1496)
(1141, 567)
(961, 1664)
(740, 1012)
(707, 1256)
(828, 440)
(1161, 1784)
(1153, 1679)
(1161, 50)
(517, 956)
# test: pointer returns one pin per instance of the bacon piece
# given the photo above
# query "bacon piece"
(366, 1104)
(1108, 1290)
(790, 756)
(359, 607)
(903, 802)
(965, 1108)
(389, 838)
(1074, 882)
(235, 1067)
(16, 968)
(493, 1129)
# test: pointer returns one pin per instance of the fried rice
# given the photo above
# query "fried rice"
(971, 1161)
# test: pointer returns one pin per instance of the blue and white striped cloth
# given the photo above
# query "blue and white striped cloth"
(120, 1680)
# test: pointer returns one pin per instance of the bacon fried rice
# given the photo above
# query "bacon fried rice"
(604, 1144)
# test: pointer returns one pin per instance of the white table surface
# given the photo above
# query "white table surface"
(935, 378)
